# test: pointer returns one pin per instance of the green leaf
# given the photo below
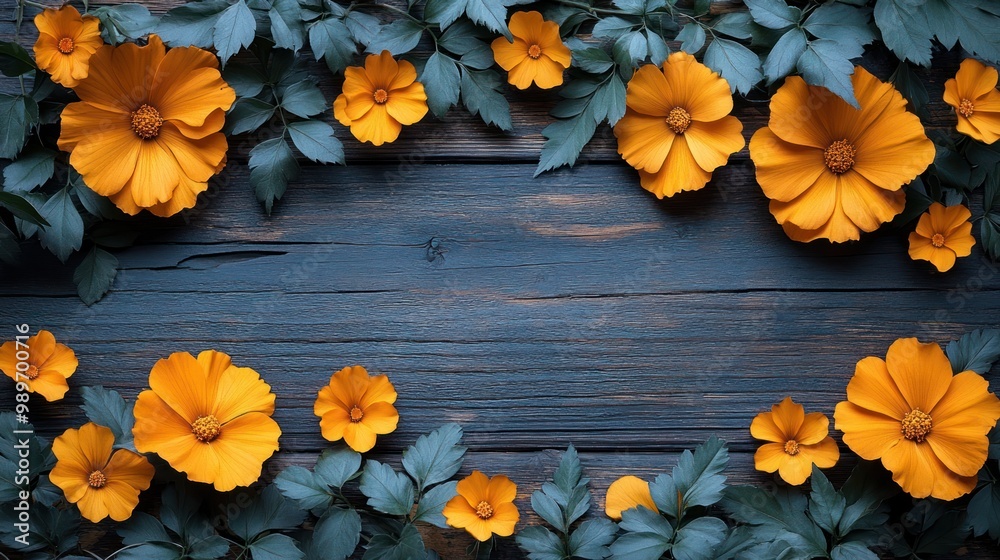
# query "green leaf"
(698, 476)
(911, 85)
(387, 490)
(590, 540)
(331, 41)
(316, 141)
(697, 539)
(336, 534)
(10, 248)
(786, 52)
(142, 528)
(647, 536)
(275, 547)
(32, 169)
(613, 27)
(826, 506)
(245, 79)
(408, 545)
(984, 511)
(286, 24)
(234, 30)
(905, 30)
(248, 114)
(990, 228)
(657, 47)
(106, 407)
(338, 465)
(865, 491)
(399, 37)
(18, 114)
(825, 63)
(736, 63)
(776, 516)
(461, 38)
(593, 60)
(191, 24)
(548, 509)
(125, 21)
(64, 235)
(441, 80)
(852, 550)
(692, 37)
(541, 544)
(773, 14)
(481, 97)
(480, 58)
(844, 24)
(269, 512)
(976, 351)
(303, 486)
(363, 27)
(973, 23)
(435, 457)
(432, 503)
(565, 139)
(629, 49)
(14, 60)
(272, 166)
(444, 12)
(490, 13)
(733, 24)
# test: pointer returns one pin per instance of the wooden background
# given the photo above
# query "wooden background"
(571, 308)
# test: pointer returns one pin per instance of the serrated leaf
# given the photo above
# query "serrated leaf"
(629, 49)
(14, 60)
(590, 540)
(906, 80)
(613, 27)
(64, 235)
(647, 536)
(336, 535)
(245, 79)
(17, 115)
(548, 509)
(976, 351)
(698, 476)
(973, 23)
(852, 550)
(272, 166)
(841, 23)
(990, 228)
(435, 457)
(657, 48)
(336, 466)
(275, 547)
(408, 545)
(399, 37)
(593, 60)
(432, 504)
(826, 506)
(480, 96)
(142, 528)
(786, 52)
(123, 21)
(733, 24)
(443, 12)
(32, 169)
(781, 513)
(825, 63)
(692, 37)
(248, 114)
(441, 81)
(696, 539)
(387, 490)
(363, 26)
(490, 13)
(316, 141)
(734, 62)
(565, 139)
(286, 24)
(26, 210)
(234, 30)
(984, 511)
(905, 30)
(569, 472)
(303, 486)
(773, 14)
(191, 24)
(480, 58)
(269, 512)
(106, 407)
(541, 544)
(330, 40)
(10, 248)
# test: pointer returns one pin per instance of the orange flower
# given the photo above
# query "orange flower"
(797, 442)
(536, 55)
(355, 407)
(833, 171)
(973, 93)
(926, 425)
(626, 493)
(942, 235)
(66, 41)
(101, 481)
(146, 131)
(484, 506)
(40, 363)
(380, 98)
(207, 418)
(677, 129)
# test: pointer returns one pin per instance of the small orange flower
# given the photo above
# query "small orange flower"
(677, 128)
(536, 55)
(928, 426)
(973, 93)
(484, 506)
(797, 442)
(66, 41)
(101, 481)
(40, 363)
(355, 407)
(942, 235)
(380, 98)
(626, 493)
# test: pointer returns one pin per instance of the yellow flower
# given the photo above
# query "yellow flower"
(207, 418)
(797, 442)
(40, 363)
(66, 41)
(926, 425)
(380, 98)
(101, 481)
(677, 128)
(146, 131)
(942, 235)
(355, 407)
(536, 55)
(484, 506)
(626, 493)
(973, 93)
(833, 171)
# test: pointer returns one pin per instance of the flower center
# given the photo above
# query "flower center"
(66, 45)
(916, 425)
(839, 157)
(146, 122)
(357, 414)
(484, 510)
(381, 96)
(97, 479)
(937, 240)
(792, 447)
(966, 108)
(31, 372)
(206, 428)
(678, 120)
(534, 51)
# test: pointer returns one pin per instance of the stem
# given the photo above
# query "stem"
(21, 80)
(593, 9)
(33, 4)
(401, 12)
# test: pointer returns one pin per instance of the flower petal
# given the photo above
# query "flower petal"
(188, 86)
(711, 143)
(874, 389)
(509, 54)
(824, 454)
(784, 170)
(500, 489)
(815, 428)
(794, 109)
(921, 371)
(474, 488)
(131, 469)
(814, 207)
(643, 141)
(696, 88)
(788, 416)
(242, 447)
(407, 105)
(680, 172)
(795, 469)
(763, 427)
(527, 26)
(376, 126)
(626, 493)
(381, 418)
(769, 457)
(650, 94)
(920, 473)
(505, 518)
(359, 437)
(867, 433)
(867, 205)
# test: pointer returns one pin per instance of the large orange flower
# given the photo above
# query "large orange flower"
(66, 41)
(380, 98)
(942, 235)
(484, 506)
(536, 54)
(146, 131)
(797, 441)
(101, 481)
(355, 407)
(926, 425)
(833, 171)
(626, 493)
(207, 418)
(973, 93)
(677, 128)
(40, 363)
